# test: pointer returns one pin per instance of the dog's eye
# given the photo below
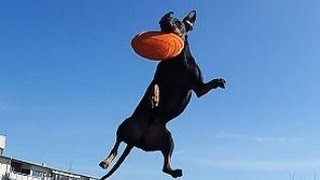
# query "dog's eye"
(178, 24)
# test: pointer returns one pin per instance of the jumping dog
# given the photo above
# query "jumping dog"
(166, 98)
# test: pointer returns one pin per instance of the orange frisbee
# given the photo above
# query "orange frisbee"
(156, 45)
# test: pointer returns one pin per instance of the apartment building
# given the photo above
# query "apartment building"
(17, 169)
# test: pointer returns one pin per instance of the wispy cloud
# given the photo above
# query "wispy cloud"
(179, 152)
(262, 165)
(258, 139)
(271, 139)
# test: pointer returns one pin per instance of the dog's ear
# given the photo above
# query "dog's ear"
(189, 20)
(165, 17)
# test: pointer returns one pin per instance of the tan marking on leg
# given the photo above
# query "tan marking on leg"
(155, 98)
(109, 159)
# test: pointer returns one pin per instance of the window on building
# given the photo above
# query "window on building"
(38, 174)
(20, 168)
(63, 177)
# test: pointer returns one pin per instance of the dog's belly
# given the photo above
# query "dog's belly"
(172, 105)
(155, 137)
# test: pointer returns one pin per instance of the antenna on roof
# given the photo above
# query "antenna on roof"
(70, 166)
(2, 143)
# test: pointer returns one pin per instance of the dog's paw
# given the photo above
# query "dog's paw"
(220, 82)
(177, 173)
(104, 165)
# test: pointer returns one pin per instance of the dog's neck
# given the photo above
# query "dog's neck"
(186, 48)
(186, 52)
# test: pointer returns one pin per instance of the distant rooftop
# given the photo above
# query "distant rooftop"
(19, 167)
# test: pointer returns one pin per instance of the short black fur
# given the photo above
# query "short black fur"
(166, 98)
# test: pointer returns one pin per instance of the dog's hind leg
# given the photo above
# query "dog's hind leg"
(119, 162)
(128, 132)
(105, 163)
(167, 152)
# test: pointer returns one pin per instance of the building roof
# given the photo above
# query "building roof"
(54, 170)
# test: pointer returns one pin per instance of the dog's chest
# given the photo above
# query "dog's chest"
(176, 73)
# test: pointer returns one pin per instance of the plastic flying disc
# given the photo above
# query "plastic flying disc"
(156, 45)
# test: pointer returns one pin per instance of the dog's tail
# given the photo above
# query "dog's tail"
(119, 162)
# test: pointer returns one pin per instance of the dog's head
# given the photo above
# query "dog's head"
(173, 25)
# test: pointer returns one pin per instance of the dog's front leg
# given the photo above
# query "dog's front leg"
(203, 88)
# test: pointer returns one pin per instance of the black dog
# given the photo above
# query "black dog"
(166, 98)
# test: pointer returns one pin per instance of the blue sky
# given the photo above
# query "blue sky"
(68, 77)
